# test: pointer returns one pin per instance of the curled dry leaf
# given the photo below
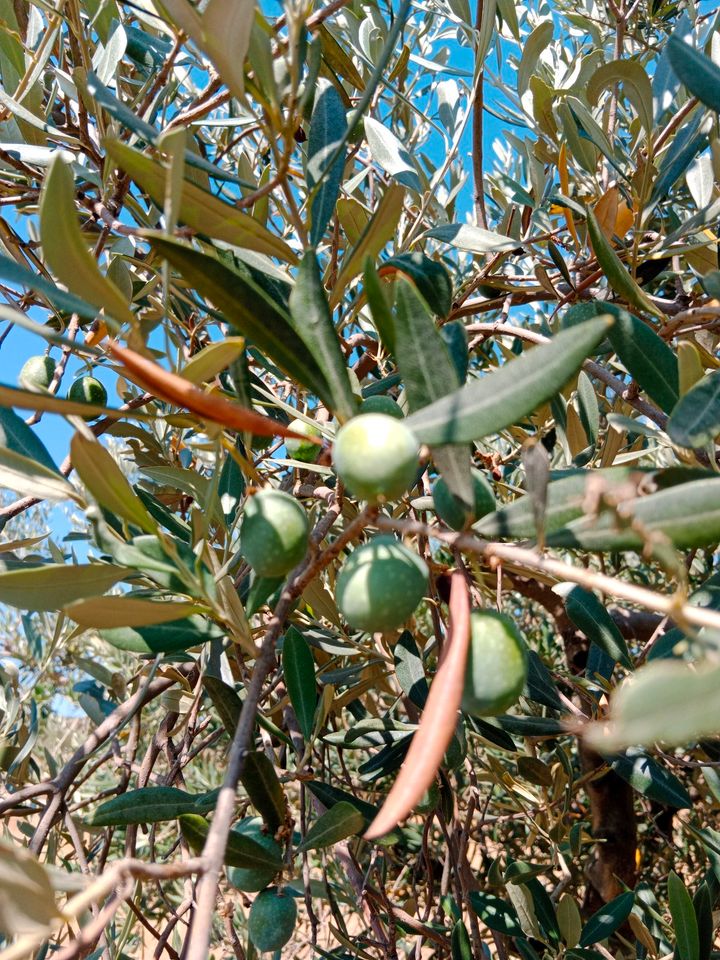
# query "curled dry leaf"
(174, 389)
(439, 718)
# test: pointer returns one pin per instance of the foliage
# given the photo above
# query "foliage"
(224, 228)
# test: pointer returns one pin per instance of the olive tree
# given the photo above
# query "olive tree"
(358, 438)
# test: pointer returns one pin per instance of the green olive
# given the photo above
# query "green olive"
(497, 664)
(376, 457)
(273, 533)
(88, 390)
(380, 585)
(271, 920)
(382, 404)
(37, 373)
(304, 450)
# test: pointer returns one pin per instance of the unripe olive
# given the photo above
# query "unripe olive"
(37, 373)
(376, 457)
(88, 390)
(380, 585)
(497, 664)
(303, 450)
(271, 920)
(273, 533)
(450, 509)
(382, 404)
(252, 879)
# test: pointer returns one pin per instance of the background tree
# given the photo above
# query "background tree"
(359, 438)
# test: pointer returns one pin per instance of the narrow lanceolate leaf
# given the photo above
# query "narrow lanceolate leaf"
(146, 132)
(379, 231)
(695, 421)
(379, 306)
(460, 942)
(409, 669)
(17, 436)
(65, 248)
(669, 702)
(213, 359)
(110, 612)
(240, 851)
(428, 374)
(564, 504)
(54, 585)
(340, 821)
(48, 402)
(313, 323)
(299, 673)
(647, 358)
(703, 906)
(169, 637)
(496, 913)
(684, 921)
(14, 272)
(439, 719)
(27, 898)
(264, 789)
(430, 277)
(149, 805)
(226, 26)
(473, 239)
(248, 308)
(198, 208)
(688, 515)
(635, 86)
(30, 478)
(590, 616)
(615, 271)
(698, 72)
(503, 397)
(174, 389)
(649, 778)
(107, 483)
(328, 126)
(225, 700)
(607, 920)
(391, 154)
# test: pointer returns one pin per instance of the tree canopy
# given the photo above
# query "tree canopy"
(358, 448)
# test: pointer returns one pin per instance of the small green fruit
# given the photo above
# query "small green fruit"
(37, 373)
(384, 405)
(273, 533)
(271, 920)
(88, 390)
(380, 585)
(450, 509)
(303, 450)
(497, 664)
(376, 457)
(256, 878)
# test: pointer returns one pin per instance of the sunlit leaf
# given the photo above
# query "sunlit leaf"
(699, 74)
(695, 421)
(66, 250)
(53, 585)
(498, 399)
(150, 805)
(299, 670)
(663, 702)
(199, 209)
(340, 821)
